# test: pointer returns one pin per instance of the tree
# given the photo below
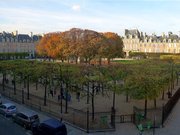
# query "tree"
(113, 46)
(144, 83)
(115, 76)
(83, 44)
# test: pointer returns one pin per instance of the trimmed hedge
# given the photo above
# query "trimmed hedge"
(154, 55)
(7, 56)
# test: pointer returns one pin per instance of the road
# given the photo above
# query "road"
(7, 127)
(6, 123)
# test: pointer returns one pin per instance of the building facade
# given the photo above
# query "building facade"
(18, 43)
(135, 41)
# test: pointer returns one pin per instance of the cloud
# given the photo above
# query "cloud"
(42, 21)
(76, 7)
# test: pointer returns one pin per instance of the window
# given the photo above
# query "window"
(3, 107)
(174, 50)
(12, 107)
(34, 117)
(22, 116)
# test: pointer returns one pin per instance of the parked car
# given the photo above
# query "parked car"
(7, 109)
(49, 127)
(0, 99)
(26, 118)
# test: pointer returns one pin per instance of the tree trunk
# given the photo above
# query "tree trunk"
(108, 59)
(61, 91)
(86, 60)
(3, 81)
(127, 97)
(100, 61)
(89, 62)
(66, 105)
(76, 60)
(36, 85)
(45, 92)
(14, 85)
(24, 81)
(92, 100)
(114, 96)
(155, 103)
(177, 79)
(102, 89)
(145, 108)
(28, 87)
(163, 95)
(88, 93)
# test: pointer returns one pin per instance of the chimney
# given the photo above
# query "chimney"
(145, 34)
(169, 33)
(31, 34)
(126, 32)
(163, 35)
(16, 34)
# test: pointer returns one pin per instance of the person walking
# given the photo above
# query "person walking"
(78, 96)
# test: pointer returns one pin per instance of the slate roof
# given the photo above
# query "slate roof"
(24, 38)
(4, 36)
(153, 38)
(133, 32)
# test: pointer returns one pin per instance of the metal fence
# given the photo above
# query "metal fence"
(152, 120)
(156, 117)
(99, 121)
(166, 109)
(129, 118)
(82, 119)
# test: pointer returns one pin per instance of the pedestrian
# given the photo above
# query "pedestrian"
(169, 94)
(13, 82)
(59, 97)
(48, 93)
(54, 92)
(51, 92)
(78, 96)
(69, 97)
(6, 80)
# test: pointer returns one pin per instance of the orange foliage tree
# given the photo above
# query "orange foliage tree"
(113, 47)
(78, 43)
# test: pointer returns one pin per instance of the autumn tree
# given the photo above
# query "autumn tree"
(83, 44)
(113, 46)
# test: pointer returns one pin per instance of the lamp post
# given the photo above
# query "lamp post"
(87, 119)
(45, 92)
(114, 96)
(154, 124)
(22, 95)
(172, 77)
